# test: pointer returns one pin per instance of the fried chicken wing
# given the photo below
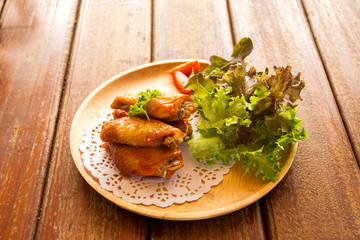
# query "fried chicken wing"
(145, 161)
(183, 125)
(124, 102)
(118, 113)
(141, 132)
(167, 108)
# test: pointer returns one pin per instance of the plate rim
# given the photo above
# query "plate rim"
(148, 211)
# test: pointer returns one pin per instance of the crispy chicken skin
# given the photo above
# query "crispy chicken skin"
(124, 102)
(141, 132)
(145, 161)
(118, 113)
(183, 125)
(167, 108)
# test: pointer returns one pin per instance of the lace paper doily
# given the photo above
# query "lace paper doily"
(187, 184)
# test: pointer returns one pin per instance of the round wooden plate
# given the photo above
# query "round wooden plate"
(233, 193)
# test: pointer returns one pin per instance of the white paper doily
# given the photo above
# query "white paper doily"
(187, 184)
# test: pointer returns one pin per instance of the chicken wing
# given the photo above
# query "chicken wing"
(118, 113)
(145, 161)
(140, 132)
(124, 102)
(183, 125)
(166, 108)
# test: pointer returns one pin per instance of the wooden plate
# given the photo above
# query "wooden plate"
(235, 192)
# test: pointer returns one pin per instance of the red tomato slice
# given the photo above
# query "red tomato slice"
(180, 81)
(186, 68)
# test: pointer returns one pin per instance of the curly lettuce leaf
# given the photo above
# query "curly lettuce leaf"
(242, 49)
(264, 159)
(218, 66)
(200, 85)
(286, 86)
(236, 79)
(248, 115)
(204, 149)
(219, 110)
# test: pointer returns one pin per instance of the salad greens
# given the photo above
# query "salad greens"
(247, 115)
(140, 106)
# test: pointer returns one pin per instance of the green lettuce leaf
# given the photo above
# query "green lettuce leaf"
(200, 85)
(242, 49)
(219, 109)
(218, 66)
(247, 115)
(265, 159)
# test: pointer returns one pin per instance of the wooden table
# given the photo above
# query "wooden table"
(54, 53)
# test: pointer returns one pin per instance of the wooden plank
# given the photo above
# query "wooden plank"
(2, 3)
(107, 42)
(243, 224)
(183, 29)
(335, 27)
(319, 197)
(35, 38)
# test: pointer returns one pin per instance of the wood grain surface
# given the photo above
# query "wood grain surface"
(106, 43)
(2, 3)
(186, 30)
(34, 42)
(335, 26)
(243, 224)
(54, 53)
(324, 181)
